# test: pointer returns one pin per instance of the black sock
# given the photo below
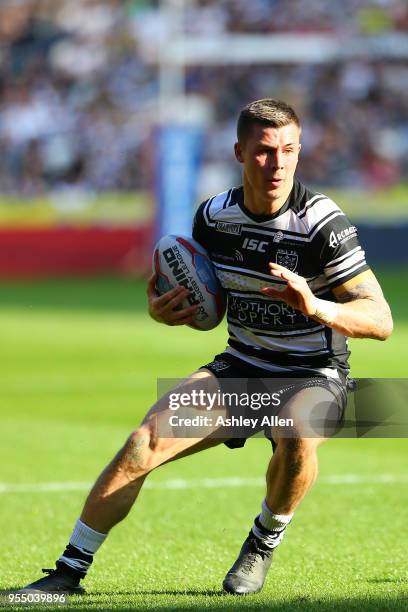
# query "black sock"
(269, 538)
(75, 562)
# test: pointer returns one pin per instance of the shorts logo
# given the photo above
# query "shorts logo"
(287, 259)
(338, 238)
(278, 236)
(229, 228)
(219, 365)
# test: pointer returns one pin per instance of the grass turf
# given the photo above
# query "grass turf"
(80, 363)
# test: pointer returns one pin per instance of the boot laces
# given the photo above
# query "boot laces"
(251, 557)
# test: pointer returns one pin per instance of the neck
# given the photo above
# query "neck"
(266, 205)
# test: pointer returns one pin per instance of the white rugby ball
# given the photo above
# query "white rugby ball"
(179, 260)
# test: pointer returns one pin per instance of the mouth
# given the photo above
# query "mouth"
(275, 182)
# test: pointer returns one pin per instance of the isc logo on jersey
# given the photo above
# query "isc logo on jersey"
(251, 244)
(335, 239)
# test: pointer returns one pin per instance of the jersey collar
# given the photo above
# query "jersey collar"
(295, 194)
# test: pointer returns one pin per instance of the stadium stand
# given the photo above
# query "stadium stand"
(76, 92)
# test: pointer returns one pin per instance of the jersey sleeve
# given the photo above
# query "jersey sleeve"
(339, 249)
(200, 231)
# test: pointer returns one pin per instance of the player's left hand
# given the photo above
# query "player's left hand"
(297, 292)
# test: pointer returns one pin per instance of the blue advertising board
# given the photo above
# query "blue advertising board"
(179, 154)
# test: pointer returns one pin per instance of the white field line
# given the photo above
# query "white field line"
(203, 483)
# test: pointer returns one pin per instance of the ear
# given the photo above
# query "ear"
(300, 146)
(238, 152)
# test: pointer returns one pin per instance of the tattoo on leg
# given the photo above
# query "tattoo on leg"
(136, 448)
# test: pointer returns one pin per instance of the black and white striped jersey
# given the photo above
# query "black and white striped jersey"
(311, 236)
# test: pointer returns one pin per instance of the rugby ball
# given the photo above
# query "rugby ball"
(179, 260)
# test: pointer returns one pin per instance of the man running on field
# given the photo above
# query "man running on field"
(297, 284)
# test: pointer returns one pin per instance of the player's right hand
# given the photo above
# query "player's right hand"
(163, 308)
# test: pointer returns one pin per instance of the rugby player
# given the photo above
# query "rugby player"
(298, 285)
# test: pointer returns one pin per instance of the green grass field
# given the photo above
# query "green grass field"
(79, 370)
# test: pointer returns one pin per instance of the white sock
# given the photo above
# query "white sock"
(271, 521)
(269, 527)
(82, 546)
(87, 538)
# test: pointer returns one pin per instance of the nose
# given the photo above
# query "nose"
(276, 160)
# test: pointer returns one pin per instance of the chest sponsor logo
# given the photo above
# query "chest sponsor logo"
(337, 238)
(287, 259)
(263, 314)
(229, 228)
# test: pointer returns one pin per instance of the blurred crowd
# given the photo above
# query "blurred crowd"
(78, 100)
(263, 16)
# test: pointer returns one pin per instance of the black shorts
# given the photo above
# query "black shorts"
(233, 372)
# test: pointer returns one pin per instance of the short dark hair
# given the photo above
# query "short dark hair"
(267, 112)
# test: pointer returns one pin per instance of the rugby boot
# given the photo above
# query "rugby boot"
(56, 581)
(248, 573)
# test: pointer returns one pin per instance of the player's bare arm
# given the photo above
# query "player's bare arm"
(361, 310)
(166, 308)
